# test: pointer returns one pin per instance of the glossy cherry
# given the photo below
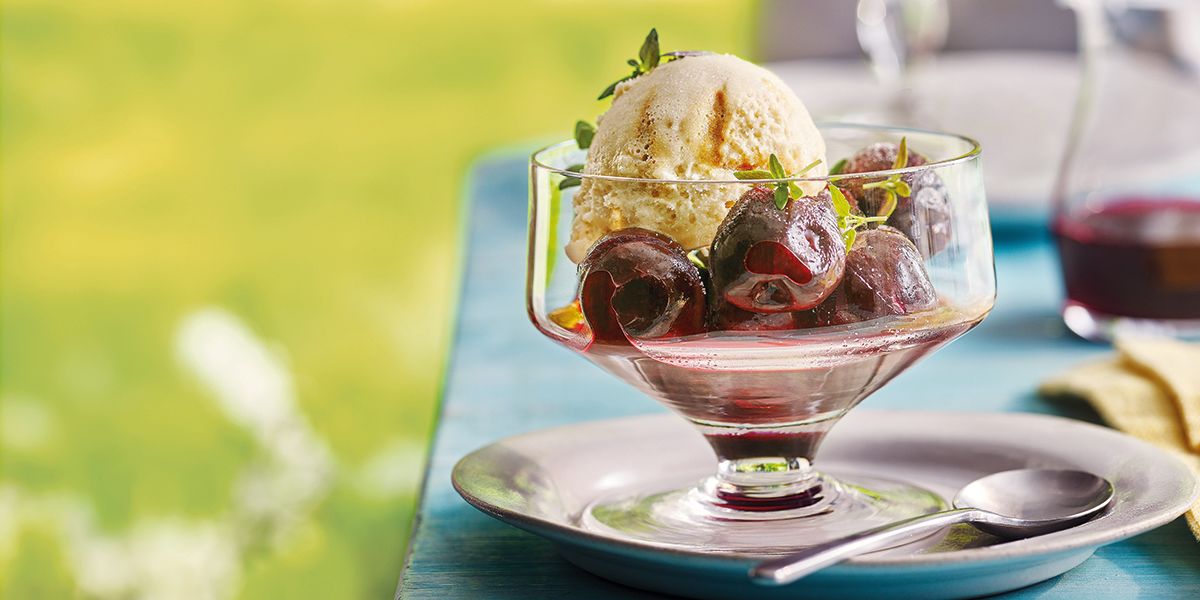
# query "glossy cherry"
(639, 283)
(727, 317)
(885, 275)
(924, 216)
(767, 260)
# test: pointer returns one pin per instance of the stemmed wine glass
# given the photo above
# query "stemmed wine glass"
(763, 388)
(899, 37)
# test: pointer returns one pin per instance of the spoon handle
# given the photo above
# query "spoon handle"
(786, 569)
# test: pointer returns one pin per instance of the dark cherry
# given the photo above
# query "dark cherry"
(885, 275)
(924, 216)
(727, 317)
(640, 283)
(768, 260)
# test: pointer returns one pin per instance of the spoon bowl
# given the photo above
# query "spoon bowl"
(1036, 501)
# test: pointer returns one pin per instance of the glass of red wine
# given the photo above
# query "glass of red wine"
(1127, 216)
(762, 328)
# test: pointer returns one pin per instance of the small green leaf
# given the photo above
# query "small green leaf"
(841, 205)
(781, 196)
(901, 155)
(889, 205)
(584, 132)
(860, 220)
(838, 167)
(752, 174)
(903, 188)
(848, 237)
(776, 167)
(570, 182)
(633, 63)
(649, 53)
(794, 190)
(810, 166)
(696, 259)
(608, 91)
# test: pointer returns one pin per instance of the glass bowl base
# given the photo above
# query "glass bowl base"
(694, 519)
(1097, 326)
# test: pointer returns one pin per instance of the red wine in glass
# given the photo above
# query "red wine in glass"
(1134, 258)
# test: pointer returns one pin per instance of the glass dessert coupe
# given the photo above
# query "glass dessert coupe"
(737, 338)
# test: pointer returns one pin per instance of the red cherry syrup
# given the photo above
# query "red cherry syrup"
(1134, 257)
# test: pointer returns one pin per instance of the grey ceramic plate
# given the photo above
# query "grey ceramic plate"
(541, 481)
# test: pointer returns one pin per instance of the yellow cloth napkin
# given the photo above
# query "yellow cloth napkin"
(1150, 390)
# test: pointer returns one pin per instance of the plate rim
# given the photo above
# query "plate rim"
(986, 554)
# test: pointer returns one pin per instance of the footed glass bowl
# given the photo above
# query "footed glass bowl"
(766, 333)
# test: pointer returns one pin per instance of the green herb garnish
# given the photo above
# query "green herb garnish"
(894, 185)
(584, 132)
(838, 167)
(570, 182)
(648, 53)
(753, 174)
(848, 222)
(648, 58)
(785, 191)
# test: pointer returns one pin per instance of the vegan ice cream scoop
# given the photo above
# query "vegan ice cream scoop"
(696, 118)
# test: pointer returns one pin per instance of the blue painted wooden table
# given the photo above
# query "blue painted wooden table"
(504, 379)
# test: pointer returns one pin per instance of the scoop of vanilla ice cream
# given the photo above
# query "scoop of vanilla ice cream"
(699, 117)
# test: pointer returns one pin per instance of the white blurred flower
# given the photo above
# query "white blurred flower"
(25, 425)
(188, 559)
(252, 386)
(160, 559)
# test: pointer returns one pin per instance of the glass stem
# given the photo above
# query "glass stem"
(765, 470)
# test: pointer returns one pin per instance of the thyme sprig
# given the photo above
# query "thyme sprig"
(785, 191)
(848, 222)
(895, 185)
(648, 58)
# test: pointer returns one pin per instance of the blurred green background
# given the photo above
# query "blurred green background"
(228, 262)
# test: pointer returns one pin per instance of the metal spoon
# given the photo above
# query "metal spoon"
(1011, 504)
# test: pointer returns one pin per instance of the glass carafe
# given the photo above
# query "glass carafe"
(1128, 194)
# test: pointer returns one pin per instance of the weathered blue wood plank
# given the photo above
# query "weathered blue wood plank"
(504, 378)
